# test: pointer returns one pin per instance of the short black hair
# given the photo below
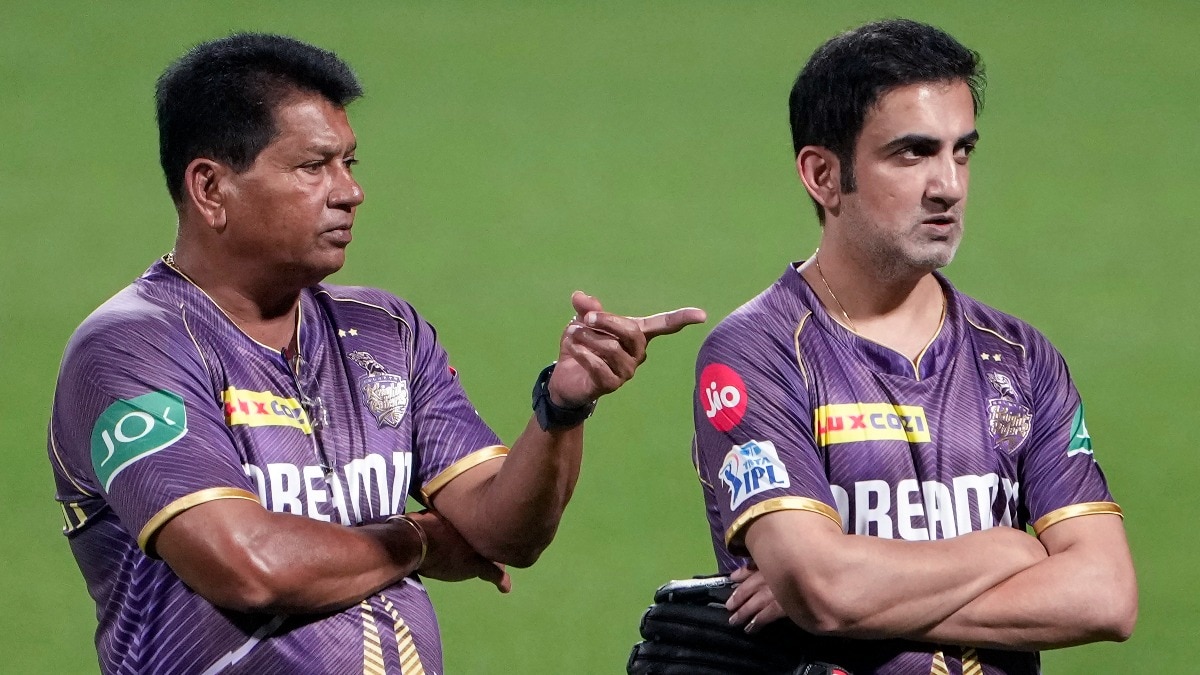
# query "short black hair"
(218, 100)
(847, 75)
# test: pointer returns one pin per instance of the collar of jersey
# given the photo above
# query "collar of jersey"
(198, 300)
(937, 355)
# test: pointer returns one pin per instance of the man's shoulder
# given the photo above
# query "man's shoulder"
(365, 298)
(769, 317)
(140, 313)
(1015, 331)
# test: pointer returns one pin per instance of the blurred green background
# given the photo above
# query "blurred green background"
(514, 152)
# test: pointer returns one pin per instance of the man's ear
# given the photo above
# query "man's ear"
(821, 172)
(204, 190)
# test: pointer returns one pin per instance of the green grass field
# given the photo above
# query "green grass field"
(514, 152)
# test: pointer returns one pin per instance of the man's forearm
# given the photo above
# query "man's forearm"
(1084, 593)
(866, 587)
(512, 515)
(239, 556)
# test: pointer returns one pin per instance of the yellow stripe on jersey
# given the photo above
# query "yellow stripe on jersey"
(851, 422)
(72, 509)
(372, 651)
(410, 660)
(938, 667)
(1074, 511)
(735, 535)
(458, 468)
(970, 661)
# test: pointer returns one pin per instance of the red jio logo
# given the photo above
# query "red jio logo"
(723, 395)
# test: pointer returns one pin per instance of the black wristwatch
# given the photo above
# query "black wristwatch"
(550, 416)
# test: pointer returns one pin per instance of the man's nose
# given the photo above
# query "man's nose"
(948, 184)
(346, 192)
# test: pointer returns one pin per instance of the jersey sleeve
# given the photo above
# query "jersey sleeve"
(1060, 477)
(136, 424)
(450, 436)
(754, 442)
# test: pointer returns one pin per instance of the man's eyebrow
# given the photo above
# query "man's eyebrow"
(331, 150)
(928, 143)
(912, 141)
(967, 139)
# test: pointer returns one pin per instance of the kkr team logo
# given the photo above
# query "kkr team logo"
(386, 394)
(722, 395)
(752, 468)
(1008, 420)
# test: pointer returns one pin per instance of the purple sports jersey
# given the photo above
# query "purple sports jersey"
(162, 403)
(794, 411)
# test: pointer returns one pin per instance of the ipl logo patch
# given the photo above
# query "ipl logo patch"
(1008, 420)
(386, 394)
(752, 468)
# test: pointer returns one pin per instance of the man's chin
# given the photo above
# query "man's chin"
(320, 267)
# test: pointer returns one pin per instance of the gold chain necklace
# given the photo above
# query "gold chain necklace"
(817, 262)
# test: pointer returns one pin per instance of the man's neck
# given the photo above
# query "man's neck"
(264, 311)
(902, 312)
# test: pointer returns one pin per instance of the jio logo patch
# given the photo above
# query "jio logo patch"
(723, 395)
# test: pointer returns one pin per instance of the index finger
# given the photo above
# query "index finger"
(495, 574)
(666, 323)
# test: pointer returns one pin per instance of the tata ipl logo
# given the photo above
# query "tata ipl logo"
(722, 395)
(752, 468)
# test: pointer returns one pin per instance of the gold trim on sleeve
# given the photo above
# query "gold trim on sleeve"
(458, 468)
(182, 504)
(1074, 511)
(734, 535)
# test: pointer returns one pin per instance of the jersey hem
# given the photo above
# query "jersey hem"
(182, 504)
(735, 535)
(458, 468)
(1073, 511)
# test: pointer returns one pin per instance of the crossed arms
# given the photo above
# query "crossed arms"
(999, 588)
(238, 555)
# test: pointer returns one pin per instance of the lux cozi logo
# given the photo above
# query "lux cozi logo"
(850, 422)
(264, 409)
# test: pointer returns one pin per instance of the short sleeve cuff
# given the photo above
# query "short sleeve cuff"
(164, 515)
(458, 468)
(735, 536)
(1074, 511)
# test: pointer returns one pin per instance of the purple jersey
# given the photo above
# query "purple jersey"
(793, 411)
(162, 403)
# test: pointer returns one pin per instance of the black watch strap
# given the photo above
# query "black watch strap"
(550, 416)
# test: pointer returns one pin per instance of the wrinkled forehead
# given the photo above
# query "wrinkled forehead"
(311, 120)
(941, 110)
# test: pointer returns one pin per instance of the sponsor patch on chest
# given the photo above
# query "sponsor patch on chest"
(263, 409)
(752, 468)
(851, 422)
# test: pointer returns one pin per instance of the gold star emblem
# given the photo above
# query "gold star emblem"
(354, 331)
(341, 333)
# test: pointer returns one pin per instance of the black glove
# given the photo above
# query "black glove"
(687, 632)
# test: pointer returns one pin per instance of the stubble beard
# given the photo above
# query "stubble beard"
(912, 254)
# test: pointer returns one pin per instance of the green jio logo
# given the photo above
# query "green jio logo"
(135, 428)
